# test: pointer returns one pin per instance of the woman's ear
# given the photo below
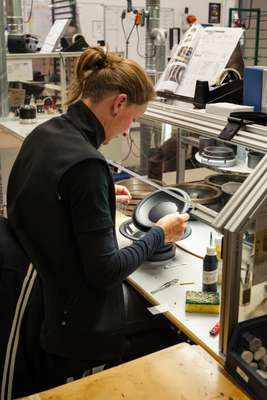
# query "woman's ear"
(119, 103)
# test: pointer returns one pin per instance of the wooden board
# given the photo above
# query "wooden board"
(179, 372)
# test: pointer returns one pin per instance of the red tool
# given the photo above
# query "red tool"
(215, 330)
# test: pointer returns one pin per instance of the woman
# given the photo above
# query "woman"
(61, 205)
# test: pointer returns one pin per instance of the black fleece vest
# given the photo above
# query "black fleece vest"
(80, 321)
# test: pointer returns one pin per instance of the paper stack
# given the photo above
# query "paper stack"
(225, 109)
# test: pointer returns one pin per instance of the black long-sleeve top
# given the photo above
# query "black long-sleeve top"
(84, 191)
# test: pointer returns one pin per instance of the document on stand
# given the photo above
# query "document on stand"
(202, 55)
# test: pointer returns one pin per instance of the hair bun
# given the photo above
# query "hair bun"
(102, 62)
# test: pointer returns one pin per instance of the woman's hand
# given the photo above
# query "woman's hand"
(173, 226)
(123, 196)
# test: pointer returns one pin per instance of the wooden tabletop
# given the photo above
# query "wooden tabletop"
(180, 372)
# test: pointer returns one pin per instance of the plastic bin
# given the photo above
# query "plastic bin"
(248, 378)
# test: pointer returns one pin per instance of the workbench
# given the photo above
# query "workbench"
(180, 372)
(188, 269)
(150, 276)
(187, 266)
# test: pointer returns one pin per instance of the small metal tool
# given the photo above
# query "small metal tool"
(170, 266)
(166, 285)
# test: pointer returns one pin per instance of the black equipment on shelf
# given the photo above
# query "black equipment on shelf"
(231, 92)
(238, 120)
(27, 114)
(22, 43)
(78, 43)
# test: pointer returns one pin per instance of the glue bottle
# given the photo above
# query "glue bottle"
(210, 264)
(218, 247)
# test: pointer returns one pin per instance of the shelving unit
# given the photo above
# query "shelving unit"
(184, 118)
(63, 58)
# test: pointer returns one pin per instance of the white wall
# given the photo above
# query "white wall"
(197, 7)
(41, 19)
(262, 4)
(90, 12)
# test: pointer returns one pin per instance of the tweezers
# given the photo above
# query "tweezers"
(166, 285)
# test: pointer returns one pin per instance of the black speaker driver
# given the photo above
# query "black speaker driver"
(158, 204)
(165, 252)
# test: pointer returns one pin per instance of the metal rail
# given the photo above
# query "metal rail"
(207, 125)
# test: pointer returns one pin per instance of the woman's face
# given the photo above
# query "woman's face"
(123, 117)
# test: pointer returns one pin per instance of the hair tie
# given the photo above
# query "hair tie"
(102, 63)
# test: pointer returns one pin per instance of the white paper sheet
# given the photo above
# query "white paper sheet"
(19, 70)
(202, 55)
(57, 30)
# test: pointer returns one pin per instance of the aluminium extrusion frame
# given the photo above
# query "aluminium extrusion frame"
(208, 125)
(241, 208)
(203, 124)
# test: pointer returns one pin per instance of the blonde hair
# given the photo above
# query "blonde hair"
(98, 74)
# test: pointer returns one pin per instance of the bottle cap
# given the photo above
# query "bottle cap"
(211, 251)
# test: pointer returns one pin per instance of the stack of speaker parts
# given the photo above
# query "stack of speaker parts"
(203, 193)
(138, 190)
(227, 183)
(229, 189)
(217, 156)
(220, 179)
